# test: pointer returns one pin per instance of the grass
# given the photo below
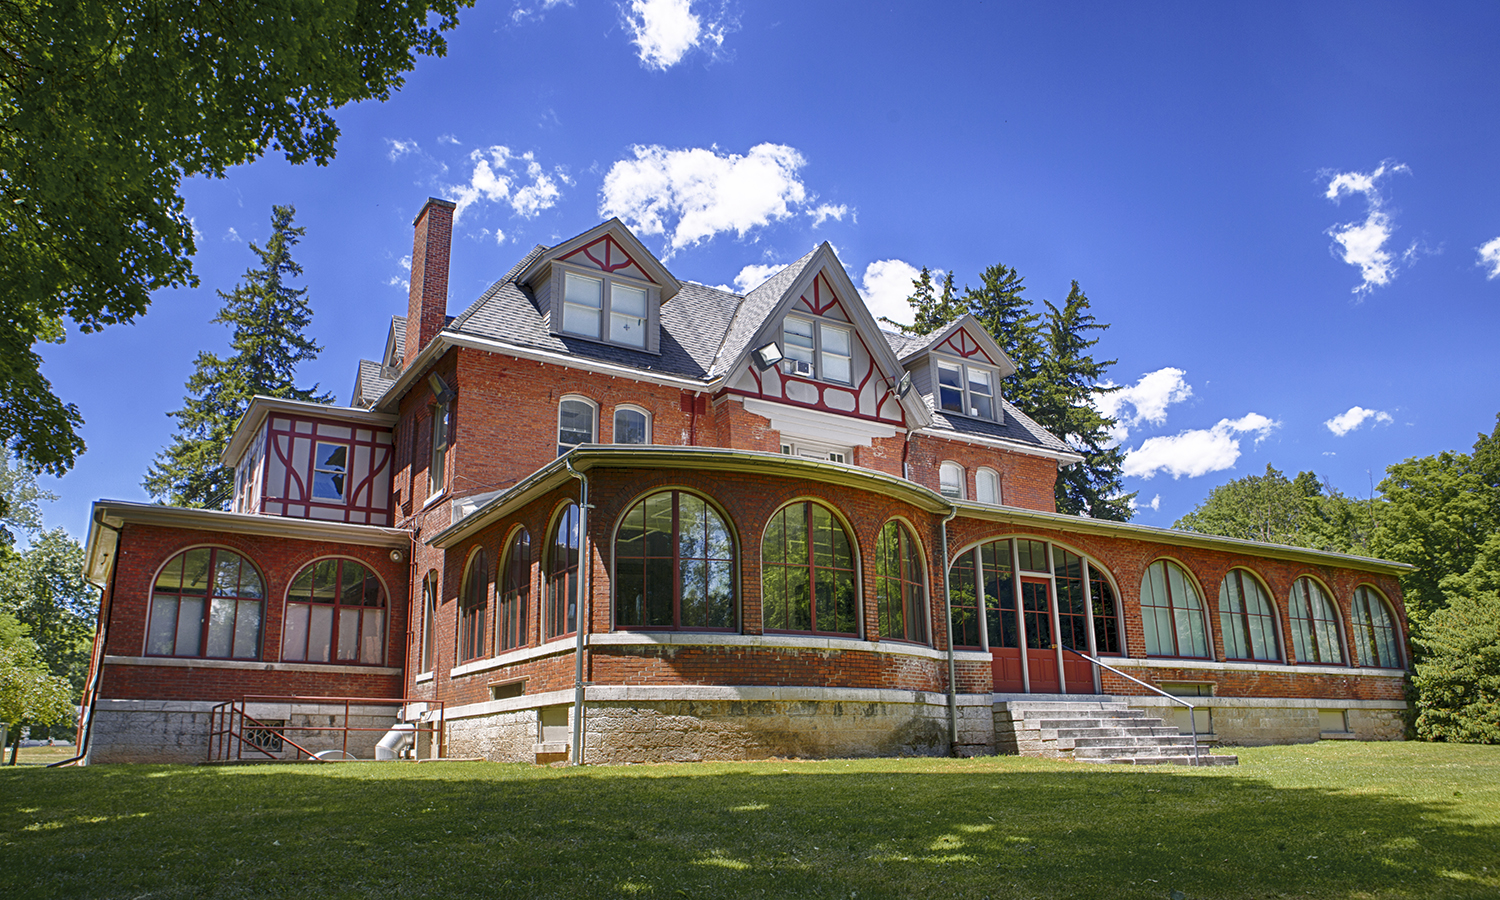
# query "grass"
(42, 755)
(1335, 819)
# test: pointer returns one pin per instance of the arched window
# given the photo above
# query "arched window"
(335, 612)
(951, 480)
(575, 423)
(900, 589)
(987, 486)
(1106, 615)
(515, 591)
(1247, 620)
(632, 425)
(807, 572)
(674, 565)
(1375, 633)
(562, 573)
(206, 602)
(473, 604)
(1315, 625)
(1172, 613)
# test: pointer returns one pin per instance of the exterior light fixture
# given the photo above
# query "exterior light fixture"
(903, 387)
(767, 356)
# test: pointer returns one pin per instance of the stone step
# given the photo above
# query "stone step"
(1162, 741)
(1110, 731)
(1203, 760)
(1100, 729)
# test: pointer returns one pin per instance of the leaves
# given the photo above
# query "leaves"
(1273, 509)
(28, 692)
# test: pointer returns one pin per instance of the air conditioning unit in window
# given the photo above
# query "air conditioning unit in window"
(797, 367)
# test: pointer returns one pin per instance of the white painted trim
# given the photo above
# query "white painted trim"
(1025, 449)
(178, 662)
(726, 693)
(1268, 668)
(833, 428)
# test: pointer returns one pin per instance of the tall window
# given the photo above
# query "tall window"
(575, 424)
(900, 590)
(437, 470)
(591, 302)
(1247, 620)
(562, 574)
(1106, 614)
(815, 346)
(515, 587)
(335, 612)
(807, 572)
(632, 426)
(987, 486)
(206, 602)
(674, 565)
(951, 480)
(429, 621)
(966, 389)
(1315, 624)
(1172, 612)
(963, 602)
(1375, 635)
(1072, 605)
(473, 606)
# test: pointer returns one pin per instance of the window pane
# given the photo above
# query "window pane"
(951, 480)
(575, 424)
(329, 468)
(163, 625)
(372, 634)
(220, 628)
(294, 632)
(963, 601)
(196, 570)
(837, 355)
(348, 635)
(630, 426)
(950, 388)
(583, 303)
(319, 633)
(987, 487)
(627, 315)
(189, 640)
(247, 630)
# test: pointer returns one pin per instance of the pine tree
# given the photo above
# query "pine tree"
(268, 317)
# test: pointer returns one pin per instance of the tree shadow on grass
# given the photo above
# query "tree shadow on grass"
(482, 830)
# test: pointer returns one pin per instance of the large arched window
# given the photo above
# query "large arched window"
(429, 620)
(1315, 625)
(473, 607)
(807, 572)
(1247, 620)
(1172, 613)
(206, 602)
(674, 565)
(515, 591)
(900, 589)
(1375, 633)
(335, 612)
(1107, 632)
(562, 573)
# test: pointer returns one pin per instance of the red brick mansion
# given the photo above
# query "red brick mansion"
(605, 515)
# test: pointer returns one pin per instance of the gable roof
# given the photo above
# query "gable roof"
(753, 312)
(369, 384)
(627, 240)
(1017, 429)
(974, 329)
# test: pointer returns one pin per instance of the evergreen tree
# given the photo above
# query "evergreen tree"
(268, 317)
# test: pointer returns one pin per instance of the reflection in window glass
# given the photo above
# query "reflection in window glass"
(515, 594)
(631, 427)
(807, 566)
(1247, 619)
(800, 344)
(206, 602)
(1315, 630)
(1375, 630)
(575, 425)
(950, 387)
(1172, 613)
(981, 394)
(562, 574)
(473, 608)
(900, 594)
(330, 467)
(335, 612)
(674, 565)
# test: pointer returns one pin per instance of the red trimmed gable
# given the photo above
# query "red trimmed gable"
(606, 255)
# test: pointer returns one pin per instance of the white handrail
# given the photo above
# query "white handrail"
(1192, 720)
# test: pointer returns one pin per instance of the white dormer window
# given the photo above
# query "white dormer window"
(966, 389)
(605, 309)
(813, 347)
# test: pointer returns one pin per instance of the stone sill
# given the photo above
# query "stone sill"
(1266, 668)
(247, 665)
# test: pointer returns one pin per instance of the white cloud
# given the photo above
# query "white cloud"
(524, 11)
(1197, 451)
(1345, 422)
(502, 176)
(401, 148)
(887, 284)
(1137, 505)
(692, 195)
(1362, 244)
(1145, 401)
(753, 276)
(825, 211)
(663, 31)
(448, 139)
(232, 235)
(402, 282)
(1489, 257)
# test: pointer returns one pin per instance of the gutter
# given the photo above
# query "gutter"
(583, 567)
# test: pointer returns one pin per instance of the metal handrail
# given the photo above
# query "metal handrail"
(226, 742)
(1192, 720)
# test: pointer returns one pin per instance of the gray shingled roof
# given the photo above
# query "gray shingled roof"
(1018, 428)
(398, 326)
(752, 314)
(368, 385)
(905, 345)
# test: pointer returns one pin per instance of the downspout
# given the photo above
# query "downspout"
(86, 729)
(948, 630)
(583, 567)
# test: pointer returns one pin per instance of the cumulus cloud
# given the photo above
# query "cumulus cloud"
(502, 176)
(887, 284)
(826, 211)
(1145, 401)
(663, 31)
(691, 195)
(1198, 451)
(1489, 257)
(403, 282)
(753, 276)
(1136, 505)
(1345, 422)
(1363, 243)
(399, 149)
(232, 235)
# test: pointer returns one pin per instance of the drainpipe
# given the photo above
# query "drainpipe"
(948, 630)
(86, 729)
(583, 567)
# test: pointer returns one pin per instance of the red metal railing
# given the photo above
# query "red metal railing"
(233, 731)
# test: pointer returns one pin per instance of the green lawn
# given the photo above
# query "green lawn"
(1336, 819)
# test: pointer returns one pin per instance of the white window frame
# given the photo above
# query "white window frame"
(322, 469)
(980, 475)
(821, 355)
(437, 463)
(818, 451)
(607, 283)
(964, 369)
(945, 468)
(593, 421)
(615, 421)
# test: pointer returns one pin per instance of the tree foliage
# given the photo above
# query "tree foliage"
(1056, 375)
(106, 105)
(268, 317)
(1301, 512)
(28, 692)
(1458, 680)
(43, 588)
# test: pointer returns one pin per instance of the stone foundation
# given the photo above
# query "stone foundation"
(1253, 721)
(177, 731)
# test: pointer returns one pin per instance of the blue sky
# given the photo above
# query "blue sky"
(1288, 213)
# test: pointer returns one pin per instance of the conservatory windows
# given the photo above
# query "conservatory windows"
(807, 572)
(674, 566)
(900, 589)
(1315, 625)
(515, 592)
(1172, 613)
(1247, 619)
(473, 605)
(335, 612)
(206, 602)
(562, 573)
(1375, 635)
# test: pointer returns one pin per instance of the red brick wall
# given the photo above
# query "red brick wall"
(142, 551)
(1025, 481)
(427, 304)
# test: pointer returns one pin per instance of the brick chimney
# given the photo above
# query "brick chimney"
(427, 306)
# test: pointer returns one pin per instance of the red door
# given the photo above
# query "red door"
(1041, 658)
(1005, 638)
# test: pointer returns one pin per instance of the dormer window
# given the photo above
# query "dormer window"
(814, 346)
(603, 308)
(966, 389)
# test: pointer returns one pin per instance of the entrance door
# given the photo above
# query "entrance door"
(1005, 637)
(1072, 619)
(1041, 658)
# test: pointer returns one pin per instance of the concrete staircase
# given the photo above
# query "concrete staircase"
(1093, 729)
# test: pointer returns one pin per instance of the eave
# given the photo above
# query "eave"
(261, 408)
